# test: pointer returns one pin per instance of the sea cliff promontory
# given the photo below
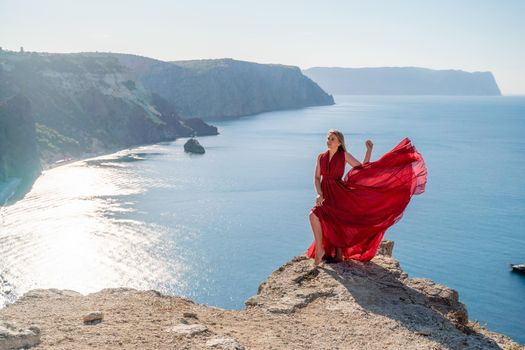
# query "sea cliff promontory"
(348, 305)
(215, 89)
(403, 81)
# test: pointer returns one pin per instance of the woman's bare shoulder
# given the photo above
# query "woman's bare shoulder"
(350, 159)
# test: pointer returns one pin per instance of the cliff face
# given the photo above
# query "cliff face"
(226, 88)
(349, 305)
(18, 149)
(85, 103)
(403, 81)
(95, 102)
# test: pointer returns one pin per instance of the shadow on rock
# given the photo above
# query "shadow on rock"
(419, 304)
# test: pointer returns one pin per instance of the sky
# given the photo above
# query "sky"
(463, 34)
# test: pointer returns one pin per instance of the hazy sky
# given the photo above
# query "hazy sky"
(469, 35)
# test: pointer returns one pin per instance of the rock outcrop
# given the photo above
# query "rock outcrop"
(14, 337)
(348, 305)
(199, 127)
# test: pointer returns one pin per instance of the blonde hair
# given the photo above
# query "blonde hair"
(340, 137)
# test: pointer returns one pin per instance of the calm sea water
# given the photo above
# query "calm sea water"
(212, 227)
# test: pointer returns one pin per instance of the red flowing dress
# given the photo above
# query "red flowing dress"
(359, 208)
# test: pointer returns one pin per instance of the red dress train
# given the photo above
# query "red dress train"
(358, 209)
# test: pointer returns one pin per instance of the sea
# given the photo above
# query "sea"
(213, 226)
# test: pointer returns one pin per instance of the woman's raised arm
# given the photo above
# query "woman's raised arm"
(369, 146)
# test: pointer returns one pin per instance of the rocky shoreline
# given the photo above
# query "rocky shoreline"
(348, 305)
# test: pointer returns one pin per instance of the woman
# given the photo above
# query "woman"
(352, 214)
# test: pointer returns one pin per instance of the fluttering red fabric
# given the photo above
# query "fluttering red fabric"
(360, 207)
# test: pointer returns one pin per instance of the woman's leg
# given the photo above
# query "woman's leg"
(318, 235)
(338, 254)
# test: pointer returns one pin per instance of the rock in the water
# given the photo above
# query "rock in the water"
(93, 317)
(193, 146)
(14, 337)
(189, 330)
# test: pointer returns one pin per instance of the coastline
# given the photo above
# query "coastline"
(89, 155)
(10, 194)
(350, 305)
(48, 165)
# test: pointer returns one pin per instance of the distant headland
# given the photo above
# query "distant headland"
(403, 81)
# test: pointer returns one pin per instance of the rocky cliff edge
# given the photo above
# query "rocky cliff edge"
(348, 305)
